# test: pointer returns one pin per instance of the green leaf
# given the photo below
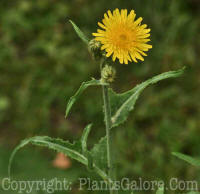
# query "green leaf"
(85, 151)
(160, 190)
(193, 192)
(122, 104)
(99, 154)
(85, 137)
(90, 160)
(83, 86)
(81, 35)
(71, 150)
(186, 158)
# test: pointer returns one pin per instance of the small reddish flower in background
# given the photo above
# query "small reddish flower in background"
(61, 161)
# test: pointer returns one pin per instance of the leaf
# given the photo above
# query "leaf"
(83, 86)
(186, 158)
(81, 35)
(193, 192)
(85, 137)
(122, 104)
(160, 190)
(90, 160)
(85, 151)
(99, 154)
(71, 150)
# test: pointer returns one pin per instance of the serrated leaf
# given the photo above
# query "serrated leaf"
(71, 150)
(83, 86)
(187, 158)
(160, 190)
(122, 104)
(81, 35)
(99, 154)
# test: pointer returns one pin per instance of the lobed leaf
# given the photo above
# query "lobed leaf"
(122, 104)
(83, 86)
(81, 35)
(187, 158)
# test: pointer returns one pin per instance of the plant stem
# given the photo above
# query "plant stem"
(107, 112)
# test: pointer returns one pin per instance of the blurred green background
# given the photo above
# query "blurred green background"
(43, 62)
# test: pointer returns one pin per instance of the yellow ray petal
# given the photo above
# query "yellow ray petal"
(101, 25)
(123, 36)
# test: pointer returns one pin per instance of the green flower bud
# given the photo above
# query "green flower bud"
(95, 49)
(108, 74)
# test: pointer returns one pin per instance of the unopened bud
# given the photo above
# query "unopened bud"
(108, 74)
(95, 48)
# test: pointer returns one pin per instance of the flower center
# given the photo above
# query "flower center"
(123, 37)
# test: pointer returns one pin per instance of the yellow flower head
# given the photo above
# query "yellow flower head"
(122, 36)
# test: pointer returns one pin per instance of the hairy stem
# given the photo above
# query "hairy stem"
(107, 112)
(108, 127)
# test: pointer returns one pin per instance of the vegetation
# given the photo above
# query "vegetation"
(42, 63)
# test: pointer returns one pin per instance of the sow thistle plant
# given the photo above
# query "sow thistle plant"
(122, 37)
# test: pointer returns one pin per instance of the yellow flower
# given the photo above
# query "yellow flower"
(122, 36)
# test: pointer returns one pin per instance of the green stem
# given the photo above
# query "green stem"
(107, 112)
(108, 123)
(108, 127)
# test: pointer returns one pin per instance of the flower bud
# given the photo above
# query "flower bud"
(108, 74)
(95, 49)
